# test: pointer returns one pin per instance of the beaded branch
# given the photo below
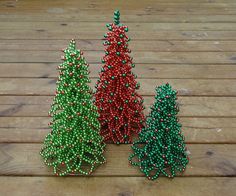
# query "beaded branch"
(120, 106)
(74, 145)
(160, 148)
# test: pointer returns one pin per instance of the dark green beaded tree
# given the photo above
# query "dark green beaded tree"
(160, 148)
(74, 145)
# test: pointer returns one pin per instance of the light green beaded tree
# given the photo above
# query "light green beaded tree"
(160, 148)
(74, 145)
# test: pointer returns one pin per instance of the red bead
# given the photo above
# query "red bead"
(112, 79)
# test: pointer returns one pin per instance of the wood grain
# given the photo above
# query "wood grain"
(62, 33)
(167, 71)
(139, 57)
(196, 130)
(189, 44)
(57, 15)
(206, 160)
(96, 27)
(185, 87)
(127, 7)
(136, 45)
(117, 186)
(189, 106)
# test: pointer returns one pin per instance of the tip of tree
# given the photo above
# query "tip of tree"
(116, 17)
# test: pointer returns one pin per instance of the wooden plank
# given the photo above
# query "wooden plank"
(59, 33)
(178, 71)
(155, 2)
(145, 7)
(185, 87)
(196, 130)
(137, 45)
(139, 57)
(189, 106)
(130, 5)
(48, 70)
(55, 15)
(120, 186)
(205, 160)
(96, 27)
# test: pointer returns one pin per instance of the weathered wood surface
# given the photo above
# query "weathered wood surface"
(62, 33)
(189, 106)
(58, 15)
(206, 160)
(186, 87)
(139, 56)
(196, 130)
(178, 71)
(137, 45)
(101, 26)
(190, 44)
(119, 186)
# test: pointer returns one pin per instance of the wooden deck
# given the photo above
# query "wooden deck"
(191, 44)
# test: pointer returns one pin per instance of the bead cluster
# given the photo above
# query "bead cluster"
(119, 105)
(160, 148)
(74, 145)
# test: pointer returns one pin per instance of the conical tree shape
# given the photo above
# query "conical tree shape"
(119, 105)
(74, 145)
(160, 148)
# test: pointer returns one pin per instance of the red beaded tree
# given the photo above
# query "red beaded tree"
(120, 106)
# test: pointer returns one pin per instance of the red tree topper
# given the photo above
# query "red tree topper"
(120, 106)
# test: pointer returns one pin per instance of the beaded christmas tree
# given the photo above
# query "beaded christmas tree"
(161, 147)
(120, 106)
(74, 145)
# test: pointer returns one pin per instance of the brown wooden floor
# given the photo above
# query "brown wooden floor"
(191, 44)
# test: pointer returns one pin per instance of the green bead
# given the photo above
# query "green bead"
(161, 134)
(73, 116)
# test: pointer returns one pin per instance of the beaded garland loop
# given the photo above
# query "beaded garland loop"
(119, 105)
(160, 148)
(74, 145)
